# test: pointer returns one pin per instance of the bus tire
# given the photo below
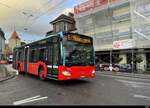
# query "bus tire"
(41, 73)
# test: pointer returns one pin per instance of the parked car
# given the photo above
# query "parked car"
(104, 67)
(10, 59)
(116, 67)
(3, 61)
(125, 67)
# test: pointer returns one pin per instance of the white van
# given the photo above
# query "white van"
(10, 59)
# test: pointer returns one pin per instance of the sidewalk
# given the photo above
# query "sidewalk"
(133, 75)
(3, 72)
(7, 72)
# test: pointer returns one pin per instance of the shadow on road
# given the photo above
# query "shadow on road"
(74, 82)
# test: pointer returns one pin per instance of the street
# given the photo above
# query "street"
(102, 90)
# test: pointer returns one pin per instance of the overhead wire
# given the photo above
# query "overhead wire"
(21, 11)
(53, 7)
(36, 11)
(45, 4)
(62, 1)
(33, 15)
(7, 6)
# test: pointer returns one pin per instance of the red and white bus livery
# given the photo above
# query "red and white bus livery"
(63, 56)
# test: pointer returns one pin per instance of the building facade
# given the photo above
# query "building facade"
(120, 29)
(63, 23)
(14, 41)
(2, 44)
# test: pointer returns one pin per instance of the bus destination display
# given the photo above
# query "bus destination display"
(77, 38)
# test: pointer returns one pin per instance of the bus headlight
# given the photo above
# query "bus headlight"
(93, 72)
(66, 73)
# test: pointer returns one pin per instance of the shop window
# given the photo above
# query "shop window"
(148, 61)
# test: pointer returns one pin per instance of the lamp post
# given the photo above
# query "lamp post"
(111, 27)
(132, 31)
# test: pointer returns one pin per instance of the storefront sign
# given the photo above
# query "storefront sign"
(124, 44)
(91, 4)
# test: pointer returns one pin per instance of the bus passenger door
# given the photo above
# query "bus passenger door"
(26, 59)
(53, 60)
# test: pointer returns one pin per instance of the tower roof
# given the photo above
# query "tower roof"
(14, 35)
(63, 17)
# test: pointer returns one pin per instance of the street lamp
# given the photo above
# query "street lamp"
(132, 33)
(111, 27)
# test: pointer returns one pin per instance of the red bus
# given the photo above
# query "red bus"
(63, 56)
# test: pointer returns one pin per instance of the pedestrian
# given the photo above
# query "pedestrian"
(100, 66)
(110, 67)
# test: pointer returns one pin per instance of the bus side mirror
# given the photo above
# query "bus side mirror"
(60, 39)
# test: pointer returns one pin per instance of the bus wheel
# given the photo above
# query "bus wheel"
(41, 74)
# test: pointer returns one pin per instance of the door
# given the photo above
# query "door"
(26, 59)
(53, 60)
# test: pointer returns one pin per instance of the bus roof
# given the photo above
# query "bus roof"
(61, 34)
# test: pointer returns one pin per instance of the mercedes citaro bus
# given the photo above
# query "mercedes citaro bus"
(63, 56)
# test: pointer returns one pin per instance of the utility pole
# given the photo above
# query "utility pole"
(132, 30)
(111, 27)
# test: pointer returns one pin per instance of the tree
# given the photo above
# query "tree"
(138, 59)
(117, 59)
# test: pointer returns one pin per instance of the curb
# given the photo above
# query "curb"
(7, 78)
(131, 75)
(11, 74)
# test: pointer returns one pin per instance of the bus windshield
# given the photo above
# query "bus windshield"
(78, 54)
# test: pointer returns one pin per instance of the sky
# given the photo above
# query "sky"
(30, 18)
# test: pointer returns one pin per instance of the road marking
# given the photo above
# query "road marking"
(130, 83)
(102, 84)
(32, 99)
(141, 96)
(123, 77)
(134, 84)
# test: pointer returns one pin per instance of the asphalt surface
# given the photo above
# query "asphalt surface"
(101, 90)
(3, 72)
(7, 72)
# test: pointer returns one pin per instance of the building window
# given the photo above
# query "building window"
(57, 27)
(148, 60)
(65, 27)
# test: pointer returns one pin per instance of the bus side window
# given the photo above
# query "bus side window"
(43, 55)
(50, 54)
(20, 55)
(33, 56)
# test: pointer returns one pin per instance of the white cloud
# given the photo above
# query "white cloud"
(66, 11)
(31, 14)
